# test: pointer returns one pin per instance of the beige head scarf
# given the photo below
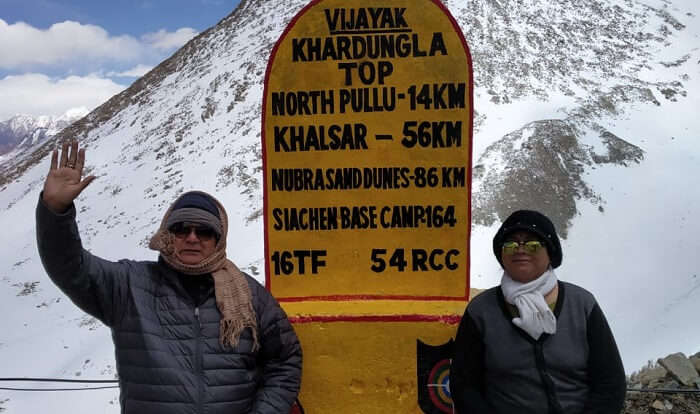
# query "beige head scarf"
(231, 288)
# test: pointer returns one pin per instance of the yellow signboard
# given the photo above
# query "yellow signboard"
(367, 132)
(367, 123)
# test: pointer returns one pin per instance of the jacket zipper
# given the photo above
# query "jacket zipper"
(199, 372)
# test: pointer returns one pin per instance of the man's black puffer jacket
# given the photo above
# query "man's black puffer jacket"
(166, 338)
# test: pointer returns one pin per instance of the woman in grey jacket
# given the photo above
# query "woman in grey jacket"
(534, 344)
(192, 333)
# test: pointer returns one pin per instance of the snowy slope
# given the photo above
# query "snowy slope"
(629, 68)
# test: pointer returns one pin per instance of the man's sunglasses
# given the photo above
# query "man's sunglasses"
(182, 230)
(531, 246)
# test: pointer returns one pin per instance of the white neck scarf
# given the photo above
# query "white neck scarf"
(535, 315)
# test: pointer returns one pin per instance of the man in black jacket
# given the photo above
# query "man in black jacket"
(192, 333)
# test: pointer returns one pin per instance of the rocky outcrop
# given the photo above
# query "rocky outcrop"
(541, 166)
(681, 369)
(674, 377)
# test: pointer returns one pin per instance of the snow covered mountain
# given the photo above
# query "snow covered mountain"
(24, 131)
(584, 110)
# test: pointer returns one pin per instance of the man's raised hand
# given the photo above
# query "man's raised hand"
(64, 182)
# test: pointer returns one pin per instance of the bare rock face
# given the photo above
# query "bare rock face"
(681, 369)
(695, 359)
(619, 151)
(541, 167)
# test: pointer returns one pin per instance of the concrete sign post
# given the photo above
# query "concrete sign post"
(367, 132)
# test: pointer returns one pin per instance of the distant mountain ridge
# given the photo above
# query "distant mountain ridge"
(23, 131)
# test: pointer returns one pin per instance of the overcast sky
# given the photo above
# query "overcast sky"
(56, 55)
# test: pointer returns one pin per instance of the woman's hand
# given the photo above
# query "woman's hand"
(64, 182)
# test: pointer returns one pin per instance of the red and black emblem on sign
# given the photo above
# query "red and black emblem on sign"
(297, 408)
(433, 368)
